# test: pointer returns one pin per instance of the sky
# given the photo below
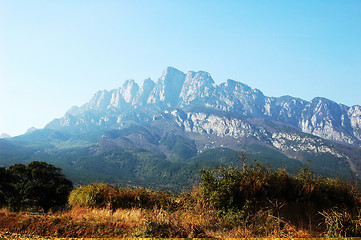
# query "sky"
(57, 54)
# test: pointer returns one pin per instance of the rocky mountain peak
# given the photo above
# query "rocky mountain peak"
(170, 72)
(168, 87)
(198, 87)
(124, 95)
(129, 90)
(147, 83)
(233, 86)
(142, 95)
(74, 110)
(99, 101)
(199, 76)
(197, 90)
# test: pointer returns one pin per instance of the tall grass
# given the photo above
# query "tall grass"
(95, 195)
(241, 194)
(341, 223)
(106, 196)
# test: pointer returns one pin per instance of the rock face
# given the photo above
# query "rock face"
(279, 136)
(166, 91)
(197, 89)
(144, 92)
(198, 96)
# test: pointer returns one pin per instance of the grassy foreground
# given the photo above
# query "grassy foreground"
(135, 222)
(246, 202)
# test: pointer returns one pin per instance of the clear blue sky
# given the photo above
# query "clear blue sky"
(56, 54)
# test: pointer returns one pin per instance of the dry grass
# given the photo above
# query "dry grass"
(135, 222)
(192, 218)
(156, 222)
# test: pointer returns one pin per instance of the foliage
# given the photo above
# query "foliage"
(173, 171)
(5, 187)
(180, 147)
(248, 201)
(95, 195)
(342, 223)
(236, 200)
(253, 188)
(264, 201)
(111, 197)
(37, 184)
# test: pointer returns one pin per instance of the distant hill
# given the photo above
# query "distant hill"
(4, 135)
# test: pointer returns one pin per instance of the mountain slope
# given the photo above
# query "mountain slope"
(182, 117)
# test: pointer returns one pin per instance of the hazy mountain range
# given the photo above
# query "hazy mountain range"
(4, 135)
(181, 117)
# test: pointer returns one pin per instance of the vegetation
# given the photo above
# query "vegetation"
(174, 166)
(106, 196)
(297, 199)
(36, 185)
(251, 200)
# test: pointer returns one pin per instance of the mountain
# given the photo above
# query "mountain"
(4, 135)
(186, 115)
(197, 90)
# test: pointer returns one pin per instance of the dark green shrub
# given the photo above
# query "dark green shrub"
(6, 189)
(37, 185)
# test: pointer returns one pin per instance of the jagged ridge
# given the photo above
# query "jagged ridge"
(132, 103)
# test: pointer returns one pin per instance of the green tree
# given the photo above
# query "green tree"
(38, 184)
(6, 189)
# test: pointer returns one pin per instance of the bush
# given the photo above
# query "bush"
(94, 196)
(36, 185)
(6, 190)
(297, 198)
(106, 196)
